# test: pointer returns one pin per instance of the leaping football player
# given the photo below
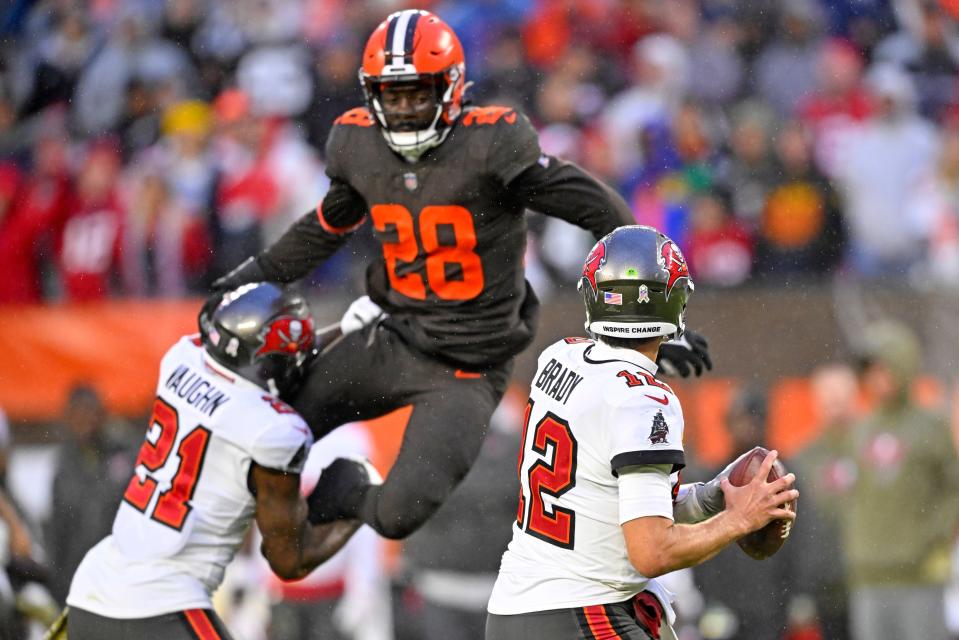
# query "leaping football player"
(445, 186)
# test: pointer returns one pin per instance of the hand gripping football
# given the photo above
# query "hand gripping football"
(768, 540)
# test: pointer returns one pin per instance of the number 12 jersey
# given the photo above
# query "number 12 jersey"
(593, 411)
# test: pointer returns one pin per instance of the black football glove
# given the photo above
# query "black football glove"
(248, 271)
(339, 492)
(680, 357)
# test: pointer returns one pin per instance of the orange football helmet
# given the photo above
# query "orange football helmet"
(414, 48)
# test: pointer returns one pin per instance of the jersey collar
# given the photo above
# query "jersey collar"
(602, 352)
(223, 373)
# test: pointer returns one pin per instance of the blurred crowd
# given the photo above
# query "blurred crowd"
(148, 146)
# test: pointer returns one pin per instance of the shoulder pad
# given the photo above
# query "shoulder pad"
(479, 116)
(357, 117)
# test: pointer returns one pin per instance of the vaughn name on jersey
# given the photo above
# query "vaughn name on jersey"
(593, 411)
(188, 506)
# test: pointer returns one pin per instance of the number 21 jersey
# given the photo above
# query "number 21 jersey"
(188, 506)
(593, 410)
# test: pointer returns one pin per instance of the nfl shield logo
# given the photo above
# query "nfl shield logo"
(643, 293)
(409, 181)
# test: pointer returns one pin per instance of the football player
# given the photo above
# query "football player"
(221, 450)
(601, 513)
(445, 186)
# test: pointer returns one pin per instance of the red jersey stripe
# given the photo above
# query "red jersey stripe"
(201, 624)
(599, 623)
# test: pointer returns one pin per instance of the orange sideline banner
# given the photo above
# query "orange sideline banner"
(114, 346)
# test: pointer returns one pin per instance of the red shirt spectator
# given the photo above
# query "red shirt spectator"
(90, 239)
(719, 249)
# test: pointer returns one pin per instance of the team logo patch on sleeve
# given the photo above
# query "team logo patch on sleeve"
(660, 430)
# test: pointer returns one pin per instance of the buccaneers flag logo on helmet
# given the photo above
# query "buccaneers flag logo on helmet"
(674, 264)
(286, 335)
(594, 262)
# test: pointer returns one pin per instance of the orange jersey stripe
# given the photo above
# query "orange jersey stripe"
(336, 230)
(599, 623)
(200, 622)
(467, 375)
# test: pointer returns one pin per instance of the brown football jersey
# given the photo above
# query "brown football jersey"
(453, 236)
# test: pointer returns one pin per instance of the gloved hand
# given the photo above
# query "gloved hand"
(362, 313)
(248, 271)
(702, 500)
(339, 492)
(678, 357)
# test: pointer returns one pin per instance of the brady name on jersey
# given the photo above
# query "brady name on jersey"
(593, 410)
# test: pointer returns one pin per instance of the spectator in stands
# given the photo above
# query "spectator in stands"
(93, 470)
(901, 509)
(248, 192)
(335, 90)
(760, 606)
(132, 52)
(826, 471)
(927, 45)
(716, 68)
(801, 230)
(785, 70)
(165, 248)
(33, 206)
(937, 203)
(90, 239)
(840, 99)
(719, 248)
(660, 79)
(750, 173)
(878, 167)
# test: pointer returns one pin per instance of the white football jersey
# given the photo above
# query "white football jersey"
(188, 505)
(593, 410)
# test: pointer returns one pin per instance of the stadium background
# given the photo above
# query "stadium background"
(804, 153)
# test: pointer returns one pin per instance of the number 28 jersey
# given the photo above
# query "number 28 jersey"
(188, 506)
(593, 410)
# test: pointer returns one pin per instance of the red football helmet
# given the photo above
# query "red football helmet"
(414, 49)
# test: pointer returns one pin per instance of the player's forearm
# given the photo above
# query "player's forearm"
(566, 191)
(297, 553)
(678, 546)
(323, 541)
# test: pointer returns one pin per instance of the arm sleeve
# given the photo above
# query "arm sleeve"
(644, 432)
(316, 236)
(283, 445)
(645, 491)
(563, 190)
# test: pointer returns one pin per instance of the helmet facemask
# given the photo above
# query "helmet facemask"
(413, 130)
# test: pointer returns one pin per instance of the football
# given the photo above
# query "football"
(768, 540)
